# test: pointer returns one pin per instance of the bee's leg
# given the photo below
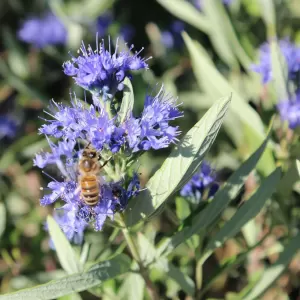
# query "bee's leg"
(105, 163)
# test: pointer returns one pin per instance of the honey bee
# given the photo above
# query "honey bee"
(89, 168)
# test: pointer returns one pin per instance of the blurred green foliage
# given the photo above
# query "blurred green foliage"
(241, 245)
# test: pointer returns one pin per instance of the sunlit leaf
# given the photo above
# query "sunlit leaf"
(2, 218)
(127, 101)
(187, 12)
(221, 200)
(66, 255)
(180, 165)
(74, 283)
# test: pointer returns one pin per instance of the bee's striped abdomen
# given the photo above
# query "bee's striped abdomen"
(90, 189)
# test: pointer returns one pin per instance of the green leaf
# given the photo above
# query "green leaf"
(298, 166)
(217, 32)
(184, 281)
(127, 101)
(182, 208)
(247, 212)
(2, 218)
(66, 255)
(132, 287)
(74, 283)
(279, 71)
(268, 14)
(214, 209)
(216, 85)
(272, 273)
(180, 165)
(186, 12)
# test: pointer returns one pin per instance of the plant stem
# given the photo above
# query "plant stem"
(135, 254)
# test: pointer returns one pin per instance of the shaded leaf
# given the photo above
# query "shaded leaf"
(272, 273)
(247, 211)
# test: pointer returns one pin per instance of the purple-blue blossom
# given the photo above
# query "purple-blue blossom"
(203, 180)
(8, 126)
(102, 71)
(153, 130)
(43, 31)
(291, 54)
(172, 38)
(289, 110)
(103, 22)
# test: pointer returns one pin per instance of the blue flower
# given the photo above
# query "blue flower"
(156, 132)
(289, 110)
(291, 54)
(102, 72)
(172, 38)
(8, 126)
(103, 22)
(44, 31)
(127, 32)
(203, 180)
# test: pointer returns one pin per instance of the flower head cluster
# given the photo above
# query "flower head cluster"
(101, 71)
(101, 128)
(172, 38)
(8, 126)
(43, 31)
(203, 180)
(289, 110)
(291, 54)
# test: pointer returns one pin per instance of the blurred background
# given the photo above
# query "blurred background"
(37, 36)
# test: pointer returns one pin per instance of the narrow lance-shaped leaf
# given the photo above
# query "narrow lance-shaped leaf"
(272, 273)
(180, 164)
(279, 71)
(127, 101)
(243, 118)
(221, 200)
(215, 85)
(2, 218)
(74, 283)
(66, 255)
(186, 12)
(247, 211)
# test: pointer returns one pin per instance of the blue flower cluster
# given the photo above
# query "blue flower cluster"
(290, 52)
(8, 126)
(172, 38)
(117, 139)
(203, 180)
(289, 109)
(102, 72)
(43, 31)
